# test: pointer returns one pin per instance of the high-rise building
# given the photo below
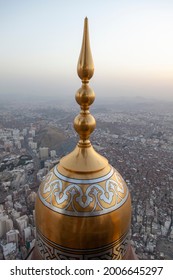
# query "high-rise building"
(9, 224)
(15, 215)
(43, 153)
(12, 236)
(27, 233)
(22, 223)
(3, 220)
(83, 207)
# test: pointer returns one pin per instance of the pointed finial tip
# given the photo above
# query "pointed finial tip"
(85, 22)
(85, 66)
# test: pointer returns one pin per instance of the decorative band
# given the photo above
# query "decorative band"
(83, 181)
(77, 200)
(51, 251)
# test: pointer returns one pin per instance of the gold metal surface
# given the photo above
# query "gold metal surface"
(83, 207)
(85, 123)
(83, 232)
(84, 159)
(85, 67)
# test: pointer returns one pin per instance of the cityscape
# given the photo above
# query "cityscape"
(137, 139)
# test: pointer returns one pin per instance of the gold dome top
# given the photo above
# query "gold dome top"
(83, 207)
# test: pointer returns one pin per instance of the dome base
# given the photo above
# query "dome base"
(35, 255)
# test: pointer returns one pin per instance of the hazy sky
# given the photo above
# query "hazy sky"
(131, 42)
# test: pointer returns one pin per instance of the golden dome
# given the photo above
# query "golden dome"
(83, 207)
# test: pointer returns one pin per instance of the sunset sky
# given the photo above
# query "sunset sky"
(131, 42)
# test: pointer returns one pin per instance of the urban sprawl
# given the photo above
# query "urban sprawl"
(138, 143)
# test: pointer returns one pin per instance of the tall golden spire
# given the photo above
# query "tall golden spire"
(84, 158)
(83, 207)
(85, 123)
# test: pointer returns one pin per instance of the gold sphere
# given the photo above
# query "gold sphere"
(85, 96)
(84, 125)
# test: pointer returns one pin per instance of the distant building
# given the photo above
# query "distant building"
(15, 214)
(24, 131)
(3, 220)
(12, 236)
(8, 146)
(18, 144)
(32, 132)
(33, 145)
(27, 233)
(17, 206)
(41, 173)
(9, 225)
(48, 164)
(43, 153)
(8, 249)
(16, 133)
(22, 223)
(52, 153)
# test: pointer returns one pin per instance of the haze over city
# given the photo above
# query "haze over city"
(131, 43)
